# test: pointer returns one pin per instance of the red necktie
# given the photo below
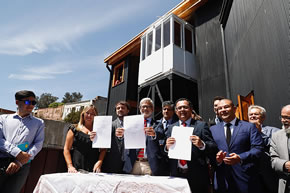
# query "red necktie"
(183, 162)
(141, 152)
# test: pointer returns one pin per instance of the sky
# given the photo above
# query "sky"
(58, 46)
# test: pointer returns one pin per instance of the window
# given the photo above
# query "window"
(177, 34)
(118, 76)
(149, 42)
(188, 40)
(158, 38)
(143, 48)
(166, 33)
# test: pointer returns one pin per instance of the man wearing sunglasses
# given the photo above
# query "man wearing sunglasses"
(21, 138)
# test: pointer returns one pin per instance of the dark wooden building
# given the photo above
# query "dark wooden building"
(238, 46)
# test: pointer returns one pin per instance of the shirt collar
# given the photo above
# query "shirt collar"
(168, 121)
(233, 122)
(188, 121)
(15, 115)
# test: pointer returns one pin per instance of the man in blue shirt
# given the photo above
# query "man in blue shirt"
(21, 138)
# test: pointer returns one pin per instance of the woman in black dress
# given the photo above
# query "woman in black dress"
(83, 155)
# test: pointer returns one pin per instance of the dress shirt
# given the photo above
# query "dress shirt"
(166, 123)
(16, 130)
(231, 127)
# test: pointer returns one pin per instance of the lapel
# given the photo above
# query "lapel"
(284, 145)
(221, 132)
(237, 127)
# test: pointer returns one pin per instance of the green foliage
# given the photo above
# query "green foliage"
(55, 104)
(73, 117)
(72, 97)
(44, 100)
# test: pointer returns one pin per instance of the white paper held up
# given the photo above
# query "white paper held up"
(134, 134)
(181, 149)
(103, 128)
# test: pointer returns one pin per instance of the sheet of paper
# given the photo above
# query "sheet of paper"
(181, 149)
(103, 128)
(134, 135)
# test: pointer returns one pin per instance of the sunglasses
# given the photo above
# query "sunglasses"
(29, 102)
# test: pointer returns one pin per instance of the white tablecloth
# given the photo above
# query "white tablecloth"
(101, 182)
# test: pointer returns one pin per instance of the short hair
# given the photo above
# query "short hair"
(125, 103)
(262, 109)
(286, 106)
(24, 94)
(184, 99)
(146, 100)
(168, 103)
(218, 98)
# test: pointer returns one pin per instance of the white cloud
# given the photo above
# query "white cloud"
(39, 32)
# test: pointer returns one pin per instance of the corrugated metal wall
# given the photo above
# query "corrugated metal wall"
(257, 49)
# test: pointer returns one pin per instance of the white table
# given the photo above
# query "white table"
(115, 183)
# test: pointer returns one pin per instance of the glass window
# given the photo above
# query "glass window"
(188, 40)
(143, 48)
(149, 42)
(118, 76)
(166, 33)
(158, 38)
(177, 34)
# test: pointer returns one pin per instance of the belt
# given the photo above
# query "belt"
(142, 159)
(182, 170)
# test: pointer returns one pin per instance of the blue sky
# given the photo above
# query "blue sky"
(58, 46)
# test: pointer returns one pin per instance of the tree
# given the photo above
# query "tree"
(72, 97)
(45, 100)
(73, 117)
(55, 104)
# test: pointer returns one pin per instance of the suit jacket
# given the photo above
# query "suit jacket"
(114, 160)
(279, 155)
(246, 141)
(153, 154)
(197, 175)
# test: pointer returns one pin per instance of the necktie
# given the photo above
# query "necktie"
(141, 152)
(165, 124)
(183, 162)
(229, 133)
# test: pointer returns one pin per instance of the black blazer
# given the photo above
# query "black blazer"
(114, 160)
(197, 175)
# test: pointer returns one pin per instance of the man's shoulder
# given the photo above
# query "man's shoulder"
(270, 128)
(279, 133)
(36, 119)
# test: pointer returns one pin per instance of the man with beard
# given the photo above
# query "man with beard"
(279, 151)
(114, 160)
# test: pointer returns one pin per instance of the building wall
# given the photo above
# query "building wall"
(257, 49)
(209, 57)
(50, 113)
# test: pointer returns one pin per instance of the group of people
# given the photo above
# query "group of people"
(228, 155)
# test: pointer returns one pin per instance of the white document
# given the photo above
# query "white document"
(181, 149)
(134, 134)
(103, 128)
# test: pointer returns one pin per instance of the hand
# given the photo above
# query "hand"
(169, 142)
(119, 132)
(23, 157)
(149, 131)
(92, 135)
(233, 159)
(287, 166)
(196, 141)
(71, 169)
(12, 168)
(220, 156)
(97, 166)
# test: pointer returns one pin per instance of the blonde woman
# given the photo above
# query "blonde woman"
(83, 155)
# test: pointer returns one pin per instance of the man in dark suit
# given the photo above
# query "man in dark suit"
(114, 160)
(216, 119)
(203, 146)
(240, 146)
(144, 161)
(162, 128)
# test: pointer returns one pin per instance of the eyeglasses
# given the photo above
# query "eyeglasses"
(146, 106)
(29, 102)
(285, 118)
(179, 108)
